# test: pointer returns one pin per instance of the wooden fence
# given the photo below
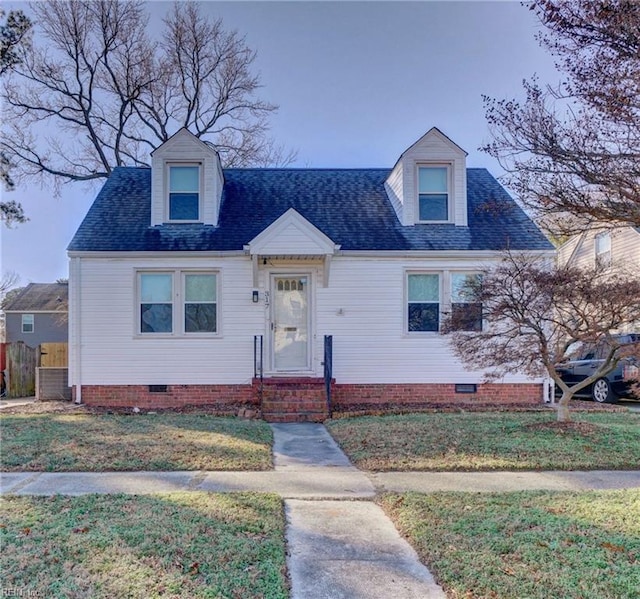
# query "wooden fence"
(54, 355)
(23, 360)
(21, 369)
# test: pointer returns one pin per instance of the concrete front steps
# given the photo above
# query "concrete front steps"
(294, 400)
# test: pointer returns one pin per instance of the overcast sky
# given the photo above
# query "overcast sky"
(356, 82)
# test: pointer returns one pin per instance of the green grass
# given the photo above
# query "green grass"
(91, 442)
(490, 441)
(527, 545)
(173, 545)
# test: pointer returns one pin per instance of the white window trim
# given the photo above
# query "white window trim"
(167, 190)
(178, 303)
(603, 259)
(445, 299)
(450, 196)
(32, 323)
(405, 308)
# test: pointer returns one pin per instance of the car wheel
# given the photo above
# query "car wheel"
(601, 392)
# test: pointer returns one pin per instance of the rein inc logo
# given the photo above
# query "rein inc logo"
(19, 592)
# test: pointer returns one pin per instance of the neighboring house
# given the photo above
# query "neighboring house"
(38, 314)
(604, 247)
(188, 279)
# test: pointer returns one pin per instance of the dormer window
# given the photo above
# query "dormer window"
(184, 193)
(433, 193)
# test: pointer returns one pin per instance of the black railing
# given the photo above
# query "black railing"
(258, 360)
(328, 368)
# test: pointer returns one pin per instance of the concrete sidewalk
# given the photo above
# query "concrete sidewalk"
(321, 483)
(337, 549)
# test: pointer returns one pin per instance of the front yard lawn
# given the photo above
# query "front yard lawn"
(527, 544)
(171, 545)
(490, 441)
(106, 442)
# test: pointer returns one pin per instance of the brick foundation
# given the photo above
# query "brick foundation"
(306, 396)
(222, 397)
(434, 394)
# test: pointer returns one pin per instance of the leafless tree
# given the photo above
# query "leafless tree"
(97, 92)
(572, 152)
(536, 316)
(15, 40)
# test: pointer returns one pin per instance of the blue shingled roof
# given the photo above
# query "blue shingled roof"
(348, 205)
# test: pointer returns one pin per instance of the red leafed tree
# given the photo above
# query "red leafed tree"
(535, 317)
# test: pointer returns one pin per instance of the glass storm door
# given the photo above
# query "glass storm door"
(291, 323)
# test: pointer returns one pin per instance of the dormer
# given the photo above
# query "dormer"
(186, 181)
(428, 184)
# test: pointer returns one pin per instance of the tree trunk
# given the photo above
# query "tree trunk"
(562, 408)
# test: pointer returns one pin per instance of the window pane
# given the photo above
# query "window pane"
(462, 287)
(200, 318)
(603, 243)
(200, 288)
(424, 288)
(183, 206)
(155, 288)
(27, 323)
(434, 206)
(432, 179)
(424, 317)
(184, 178)
(156, 318)
(466, 317)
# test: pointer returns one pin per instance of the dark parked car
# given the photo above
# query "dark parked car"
(607, 389)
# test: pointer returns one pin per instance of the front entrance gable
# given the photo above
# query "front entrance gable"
(292, 236)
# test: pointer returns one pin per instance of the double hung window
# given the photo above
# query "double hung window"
(156, 302)
(466, 312)
(184, 192)
(423, 302)
(432, 294)
(28, 323)
(433, 193)
(178, 302)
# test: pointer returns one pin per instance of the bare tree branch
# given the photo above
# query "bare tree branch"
(97, 92)
(572, 153)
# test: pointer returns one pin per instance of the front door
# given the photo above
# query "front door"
(291, 323)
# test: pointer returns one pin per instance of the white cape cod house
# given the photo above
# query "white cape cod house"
(191, 284)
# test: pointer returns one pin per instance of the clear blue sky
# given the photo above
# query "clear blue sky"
(356, 82)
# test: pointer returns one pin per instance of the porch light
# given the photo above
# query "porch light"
(254, 296)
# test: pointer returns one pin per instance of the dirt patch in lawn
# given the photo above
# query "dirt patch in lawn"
(583, 428)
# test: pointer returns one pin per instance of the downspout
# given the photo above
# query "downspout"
(77, 330)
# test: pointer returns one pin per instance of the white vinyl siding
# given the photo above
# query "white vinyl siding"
(363, 308)
(624, 248)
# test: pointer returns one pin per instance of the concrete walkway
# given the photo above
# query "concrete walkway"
(336, 548)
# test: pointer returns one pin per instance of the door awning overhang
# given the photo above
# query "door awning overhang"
(292, 237)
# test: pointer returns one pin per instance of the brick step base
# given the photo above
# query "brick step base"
(293, 400)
